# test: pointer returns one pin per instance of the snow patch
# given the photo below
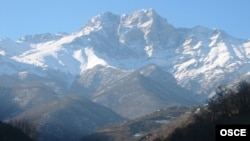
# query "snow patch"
(3, 53)
(79, 56)
(93, 59)
(149, 50)
(247, 49)
(23, 75)
(214, 40)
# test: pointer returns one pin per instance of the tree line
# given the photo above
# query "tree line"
(17, 130)
(228, 106)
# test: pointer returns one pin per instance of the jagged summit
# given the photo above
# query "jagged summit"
(133, 64)
(143, 15)
(102, 20)
(129, 42)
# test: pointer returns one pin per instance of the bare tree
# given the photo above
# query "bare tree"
(27, 127)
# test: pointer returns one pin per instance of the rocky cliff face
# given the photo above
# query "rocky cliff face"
(132, 64)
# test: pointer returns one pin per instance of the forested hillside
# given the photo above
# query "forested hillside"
(228, 106)
(10, 133)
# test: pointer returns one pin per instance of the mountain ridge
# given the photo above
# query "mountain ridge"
(130, 42)
(130, 64)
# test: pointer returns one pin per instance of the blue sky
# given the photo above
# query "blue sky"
(27, 17)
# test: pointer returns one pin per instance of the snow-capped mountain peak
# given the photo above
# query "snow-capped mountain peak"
(133, 64)
(104, 20)
(132, 41)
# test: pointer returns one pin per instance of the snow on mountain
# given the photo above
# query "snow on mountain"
(39, 38)
(133, 64)
(11, 48)
(102, 40)
(197, 57)
(210, 55)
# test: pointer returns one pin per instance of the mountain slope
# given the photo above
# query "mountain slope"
(139, 129)
(109, 61)
(56, 117)
(130, 42)
(18, 99)
(143, 92)
(68, 118)
(210, 55)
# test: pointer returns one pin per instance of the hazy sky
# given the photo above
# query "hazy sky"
(26, 17)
